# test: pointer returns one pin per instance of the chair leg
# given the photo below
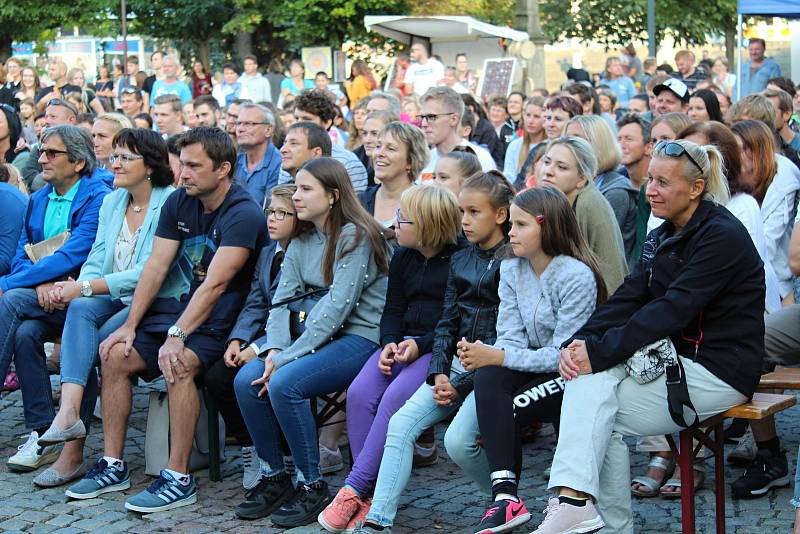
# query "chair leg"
(687, 482)
(719, 476)
(213, 438)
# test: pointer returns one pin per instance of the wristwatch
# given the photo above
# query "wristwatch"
(86, 288)
(176, 331)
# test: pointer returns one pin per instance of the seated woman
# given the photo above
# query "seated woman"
(570, 166)
(98, 301)
(774, 181)
(428, 226)
(547, 291)
(346, 254)
(248, 334)
(666, 127)
(618, 190)
(532, 135)
(745, 208)
(700, 283)
(454, 167)
(469, 312)
(400, 154)
(373, 124)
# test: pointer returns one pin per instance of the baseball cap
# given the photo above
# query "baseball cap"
(674, 85)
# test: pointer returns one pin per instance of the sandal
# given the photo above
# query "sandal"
(699, 470)
(653, 486)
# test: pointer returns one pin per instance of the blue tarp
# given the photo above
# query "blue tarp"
(773, 8)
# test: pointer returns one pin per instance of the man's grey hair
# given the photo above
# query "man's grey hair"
(394, 102)
(78, 144)
(266, 113)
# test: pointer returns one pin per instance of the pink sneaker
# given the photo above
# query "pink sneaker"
(360, 518)
(568, 519)
(502, 516)
(338, 513)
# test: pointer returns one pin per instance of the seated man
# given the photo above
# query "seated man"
(213, 224)
(69, 202)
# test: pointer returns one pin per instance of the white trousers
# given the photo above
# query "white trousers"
(600, 409)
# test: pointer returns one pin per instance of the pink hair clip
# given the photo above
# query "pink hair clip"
(540, 219)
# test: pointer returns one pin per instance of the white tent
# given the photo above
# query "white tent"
(438, 29)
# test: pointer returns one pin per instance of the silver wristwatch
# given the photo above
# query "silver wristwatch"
(176, 331)
(86, 288)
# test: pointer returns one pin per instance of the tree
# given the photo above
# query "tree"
(618, 22)
(284, 25)
(199, 23)
(29, 20)
(494, 11)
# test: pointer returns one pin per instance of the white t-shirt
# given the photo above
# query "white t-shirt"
(423, 77)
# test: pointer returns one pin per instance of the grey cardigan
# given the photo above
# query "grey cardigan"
(353, 304)
(538, 314)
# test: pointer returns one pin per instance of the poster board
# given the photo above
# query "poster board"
(316, 59)
(497, 77)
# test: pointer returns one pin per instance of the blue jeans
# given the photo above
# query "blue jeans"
(287, 409)
(796, 500)
(405, 426)
(89, 321)
(24, 327)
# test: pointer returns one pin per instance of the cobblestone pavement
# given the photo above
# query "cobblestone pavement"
(438, 499)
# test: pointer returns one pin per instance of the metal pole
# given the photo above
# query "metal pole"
(739, 55)
(651, 27)
(124, 39)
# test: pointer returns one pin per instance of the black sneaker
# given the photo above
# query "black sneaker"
(304, 507)
(735, 431)
(266, 497)
(765, 472)
(502, 516)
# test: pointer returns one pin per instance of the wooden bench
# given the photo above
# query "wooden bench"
(761, 406)
(781, 378)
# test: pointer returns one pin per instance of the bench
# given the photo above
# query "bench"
(781, 378)
(761, 406)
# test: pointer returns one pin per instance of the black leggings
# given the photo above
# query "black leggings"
(507, 400)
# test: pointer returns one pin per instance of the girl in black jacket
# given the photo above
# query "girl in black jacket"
(700, 283)
(470, 311)
(427, 228)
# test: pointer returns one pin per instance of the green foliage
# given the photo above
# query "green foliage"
(493, 11)
(618, 22)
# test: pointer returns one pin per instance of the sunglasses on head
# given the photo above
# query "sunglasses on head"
(676, 150)
(130, 90)
(59, 102)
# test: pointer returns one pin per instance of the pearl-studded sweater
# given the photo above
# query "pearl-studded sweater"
(353, 304)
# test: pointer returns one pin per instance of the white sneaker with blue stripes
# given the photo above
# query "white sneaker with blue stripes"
(165, 493)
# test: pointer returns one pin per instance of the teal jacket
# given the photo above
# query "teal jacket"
(100, 263)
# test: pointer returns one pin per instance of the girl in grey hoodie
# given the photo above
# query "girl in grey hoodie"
(547, 291)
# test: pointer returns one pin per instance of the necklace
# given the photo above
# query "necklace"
(136, 209)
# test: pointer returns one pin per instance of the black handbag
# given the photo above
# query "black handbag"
(299, 307)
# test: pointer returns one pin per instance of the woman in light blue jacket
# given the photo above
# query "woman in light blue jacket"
(98, 301)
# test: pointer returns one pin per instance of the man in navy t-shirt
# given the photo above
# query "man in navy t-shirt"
(214, 227)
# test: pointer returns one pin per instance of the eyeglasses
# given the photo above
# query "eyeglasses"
(401, 219)
(676, 150)
(59, 102)
(278, 214)
(431, 118)
(51, 153)
(248, 124)
(113, 159)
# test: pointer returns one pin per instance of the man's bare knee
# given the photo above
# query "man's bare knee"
(120, 363)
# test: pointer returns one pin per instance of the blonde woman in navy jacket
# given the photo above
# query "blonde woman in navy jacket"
(99, 300)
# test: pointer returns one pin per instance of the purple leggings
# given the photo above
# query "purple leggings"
(372, 399)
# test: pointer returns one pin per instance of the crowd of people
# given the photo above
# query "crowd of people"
(422, 253)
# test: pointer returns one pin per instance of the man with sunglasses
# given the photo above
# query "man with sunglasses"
(441, 113)
(131, 101)
(57, 112)
(67, 206)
